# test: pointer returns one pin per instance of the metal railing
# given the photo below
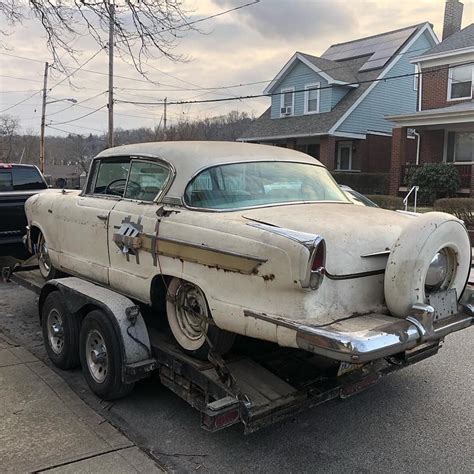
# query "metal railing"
(414, 190)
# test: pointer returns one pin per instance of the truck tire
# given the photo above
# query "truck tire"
(60, 332)
(101, 357)
(187, 310)
(48, 272)
(406, 273)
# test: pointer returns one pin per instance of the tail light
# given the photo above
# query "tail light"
(315, 270)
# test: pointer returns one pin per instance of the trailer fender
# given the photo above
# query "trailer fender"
(132, 334)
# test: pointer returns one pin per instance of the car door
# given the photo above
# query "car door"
(132, 269)
(83, 220)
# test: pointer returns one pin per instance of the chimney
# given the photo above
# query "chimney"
(452, 17)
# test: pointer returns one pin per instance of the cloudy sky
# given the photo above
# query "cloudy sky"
(245, 46)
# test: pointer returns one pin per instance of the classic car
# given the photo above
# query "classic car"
(233, 238)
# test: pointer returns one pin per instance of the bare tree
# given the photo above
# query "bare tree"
(8, 129)
(143, 28)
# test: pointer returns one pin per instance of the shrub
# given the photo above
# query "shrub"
(365, 183)
(462, 208)
(436, 180)
(387, 202)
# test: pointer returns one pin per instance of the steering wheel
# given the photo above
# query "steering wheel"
(117, 187)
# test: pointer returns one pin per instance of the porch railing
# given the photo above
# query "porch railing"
(464, 172)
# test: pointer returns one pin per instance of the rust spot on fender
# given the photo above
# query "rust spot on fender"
(269, 277)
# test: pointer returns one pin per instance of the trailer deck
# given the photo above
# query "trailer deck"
(259, 383)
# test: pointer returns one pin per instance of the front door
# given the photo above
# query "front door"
(344, 155)
(131, 269)
(84, 247)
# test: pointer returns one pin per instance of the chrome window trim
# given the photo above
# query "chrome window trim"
(147, 158)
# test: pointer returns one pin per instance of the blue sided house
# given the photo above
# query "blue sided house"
(333, 106)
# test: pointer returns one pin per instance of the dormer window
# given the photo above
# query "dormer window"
(311, 98)
(460, 82)
(287, 102)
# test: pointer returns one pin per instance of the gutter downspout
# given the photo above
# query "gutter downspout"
(417, 135)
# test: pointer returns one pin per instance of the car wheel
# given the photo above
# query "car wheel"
(60, 332)
(48, 272)
(101, 357)
(191, 323)
(432, 254)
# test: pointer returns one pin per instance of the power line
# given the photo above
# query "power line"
(77, 104)
(20, 102)
(254, 96)
(79, 118)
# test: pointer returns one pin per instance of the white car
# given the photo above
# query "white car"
(255, 240)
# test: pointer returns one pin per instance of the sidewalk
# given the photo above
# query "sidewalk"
(45, 426)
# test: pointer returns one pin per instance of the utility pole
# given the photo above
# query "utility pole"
(43, 117)
(164, 118)
(111, 72)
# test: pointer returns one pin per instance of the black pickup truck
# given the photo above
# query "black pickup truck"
(17, 184)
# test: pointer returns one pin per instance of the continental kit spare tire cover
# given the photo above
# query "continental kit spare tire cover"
(411, 256)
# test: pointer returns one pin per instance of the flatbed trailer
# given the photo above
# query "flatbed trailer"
(258, 384)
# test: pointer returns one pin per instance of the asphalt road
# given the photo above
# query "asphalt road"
(418, 420)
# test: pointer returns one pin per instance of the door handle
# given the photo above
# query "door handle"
(102, 217)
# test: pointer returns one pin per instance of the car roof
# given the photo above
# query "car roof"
(189, 157)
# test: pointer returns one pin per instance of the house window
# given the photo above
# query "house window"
(460, 82)
(287, 101)
(344, 156)
(311, 98)
(460, 147)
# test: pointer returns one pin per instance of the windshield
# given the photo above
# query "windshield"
(241, 185)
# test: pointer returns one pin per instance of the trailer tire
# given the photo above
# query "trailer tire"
(192, 336)
(60, 332)
(101, 357)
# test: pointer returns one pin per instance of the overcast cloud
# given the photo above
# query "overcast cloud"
(248, 45)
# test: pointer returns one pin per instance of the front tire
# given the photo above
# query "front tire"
(60, 332)
(191, 323)
(48, 272)
(101, 357)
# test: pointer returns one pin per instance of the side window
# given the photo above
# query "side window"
(146, 180)
(110, 177)
(25, 179)
(6, 181)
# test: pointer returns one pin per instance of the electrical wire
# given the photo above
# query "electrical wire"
(330, 86)
(77, 104)
(79, 118)
(20, 102)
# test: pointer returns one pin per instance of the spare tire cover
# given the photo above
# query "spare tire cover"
(408, 262)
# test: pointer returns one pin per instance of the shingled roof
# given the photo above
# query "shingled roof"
(459, 40)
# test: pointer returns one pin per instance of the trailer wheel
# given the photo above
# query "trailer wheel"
(48, 272)
(60, 332)
(188, 317)
(101, 357)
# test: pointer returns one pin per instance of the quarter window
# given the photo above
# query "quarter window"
(460, 82)
(311, 99)
(146, 180)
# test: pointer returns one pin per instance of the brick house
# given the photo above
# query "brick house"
(333, 106)
(444, 123)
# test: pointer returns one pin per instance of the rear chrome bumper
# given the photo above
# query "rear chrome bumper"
(374, 336)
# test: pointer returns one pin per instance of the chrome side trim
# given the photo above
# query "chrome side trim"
(382, 253)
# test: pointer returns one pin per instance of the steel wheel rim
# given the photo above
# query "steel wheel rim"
(43, 255)
(191, 311)
(96, 356)
(55, 327)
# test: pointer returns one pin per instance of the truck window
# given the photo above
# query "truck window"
(6, 181)
(25, 179)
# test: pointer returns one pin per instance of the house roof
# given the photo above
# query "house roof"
(459, 40)
(348, 71)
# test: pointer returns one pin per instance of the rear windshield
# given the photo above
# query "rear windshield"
(27, 178)
(241, 185)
